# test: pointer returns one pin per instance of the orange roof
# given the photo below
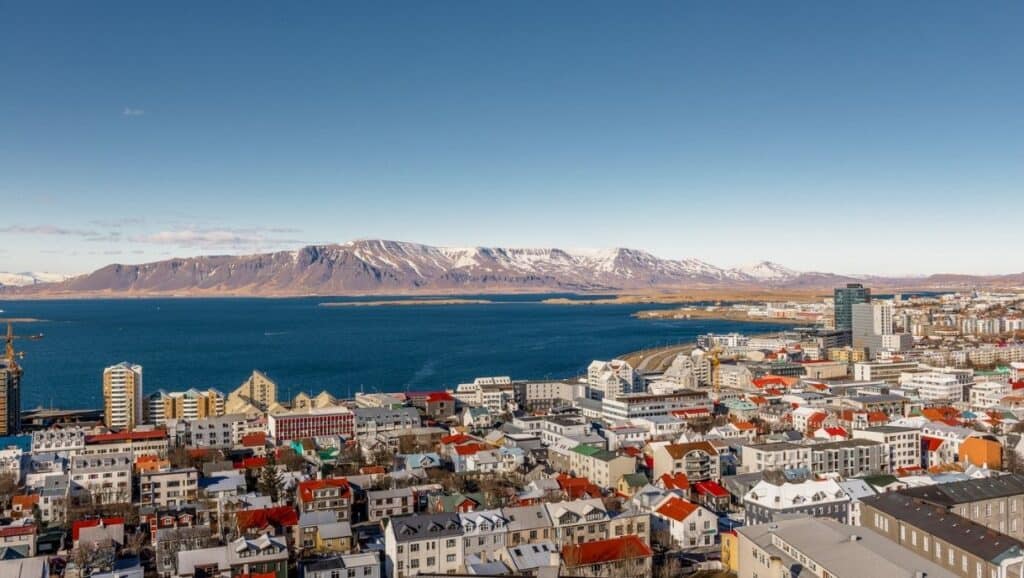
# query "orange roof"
(744, 425)
(677, 481)
(124, 436)
(26, 501)
(877, 416)
(370, 470)
(457, 439)
(677, 509)
(307, 488)
(254, 439)
(604, 551)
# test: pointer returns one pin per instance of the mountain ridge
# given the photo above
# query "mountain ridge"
(377, 266)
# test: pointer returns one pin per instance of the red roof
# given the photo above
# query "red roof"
(877, 416)
(26, 501)
(307, 488)
(836, 431)
(710, 488)
(77, 525)
(254, 439)
(281, 516)
(457, 439)
(251, 463)
(576, 488)
(631, 451)
(677, 509)
(258, 575)
(124, 436)
(932, 444)
(604, 551)
(677, 481)
(442, 396)
(469, 449)
(1017, 384)
(11, 531)
(370, 470)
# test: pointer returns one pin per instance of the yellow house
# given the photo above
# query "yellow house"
(629, 484)
(322, 532)
(730, 551)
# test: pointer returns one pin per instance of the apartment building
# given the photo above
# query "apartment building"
(544, 395)
(10, 394)
(102, 479)
(219, 432)
(625, 557)
(823, 548)
(527, 525)
(370, 421)
(311, 422)
(578, 521)
(936, 386)
(190, 404)
(483, 533)
(903, 444)
(136, 443)
(777, 455)
(630, 407)
(168, 488)
(362, 565)
(887, 371)
(963, 547)
(698, 460)
(381, 504)
(257, 393)
(122, 396)
(600, 466)
(611, 379)
(68, 440)
(330, 494)
(423, 544)
(850, 458)
(996, 502)
(768, 500)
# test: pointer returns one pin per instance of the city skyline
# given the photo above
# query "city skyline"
(867, 142)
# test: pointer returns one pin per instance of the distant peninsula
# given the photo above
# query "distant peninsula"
(406, 302)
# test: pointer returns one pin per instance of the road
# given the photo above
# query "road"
(657, 359)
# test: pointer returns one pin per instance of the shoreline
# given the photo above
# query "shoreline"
(406, 302)
(721, 315)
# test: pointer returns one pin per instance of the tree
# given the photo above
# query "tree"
(270, 482)
(8, 487)
(96, 556)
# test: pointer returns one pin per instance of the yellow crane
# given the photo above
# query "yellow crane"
(10, 355)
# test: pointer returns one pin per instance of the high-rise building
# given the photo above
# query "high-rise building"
(10, 388)
(191, 404)
(10, 396)
(122, 396)
(844, 300)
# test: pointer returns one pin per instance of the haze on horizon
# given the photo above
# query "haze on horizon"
(882, 138)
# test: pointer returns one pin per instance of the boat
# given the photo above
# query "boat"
(36, 337)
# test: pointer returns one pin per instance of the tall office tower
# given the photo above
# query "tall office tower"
(122, 396)
(10, 389)
(873, 327)
(845, 299)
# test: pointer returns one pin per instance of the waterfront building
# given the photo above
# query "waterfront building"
(611, 379)
(122, 396)
(190, 404)
(10, 391)
(258, 393)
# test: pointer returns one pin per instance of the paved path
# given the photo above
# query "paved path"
(655, 360)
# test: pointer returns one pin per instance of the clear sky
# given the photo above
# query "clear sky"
(869, 137)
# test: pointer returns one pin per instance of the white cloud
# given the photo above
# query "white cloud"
(227, 238)
(128, 111)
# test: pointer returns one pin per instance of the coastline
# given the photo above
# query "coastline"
(405, 302)
(723, 315)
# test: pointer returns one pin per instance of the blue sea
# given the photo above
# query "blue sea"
(203, 343)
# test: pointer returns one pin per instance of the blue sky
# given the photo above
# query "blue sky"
(881, 137)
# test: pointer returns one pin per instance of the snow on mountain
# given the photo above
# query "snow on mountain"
(380, 266)
(765, 271)
(30, 278)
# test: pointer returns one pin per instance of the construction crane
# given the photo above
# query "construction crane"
(10, 355)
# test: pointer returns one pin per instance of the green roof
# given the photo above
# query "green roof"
(881, 480)
(587, 450)
(637, 480)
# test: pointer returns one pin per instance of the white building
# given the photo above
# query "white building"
(423, 544)
(611, 379)
(68, 440)
(483, 533)
(903, 444)
(935, 386)
(690, 524)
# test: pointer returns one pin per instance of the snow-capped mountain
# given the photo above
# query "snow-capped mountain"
(30, 278)
(379, 266)
(765, 271)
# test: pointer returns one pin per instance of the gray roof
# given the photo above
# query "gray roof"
(530, 556)
(852, 443)
(844, 551)
(983, 542)
(526, 518)
(425, 526)
(890, 429)
(962, 492)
